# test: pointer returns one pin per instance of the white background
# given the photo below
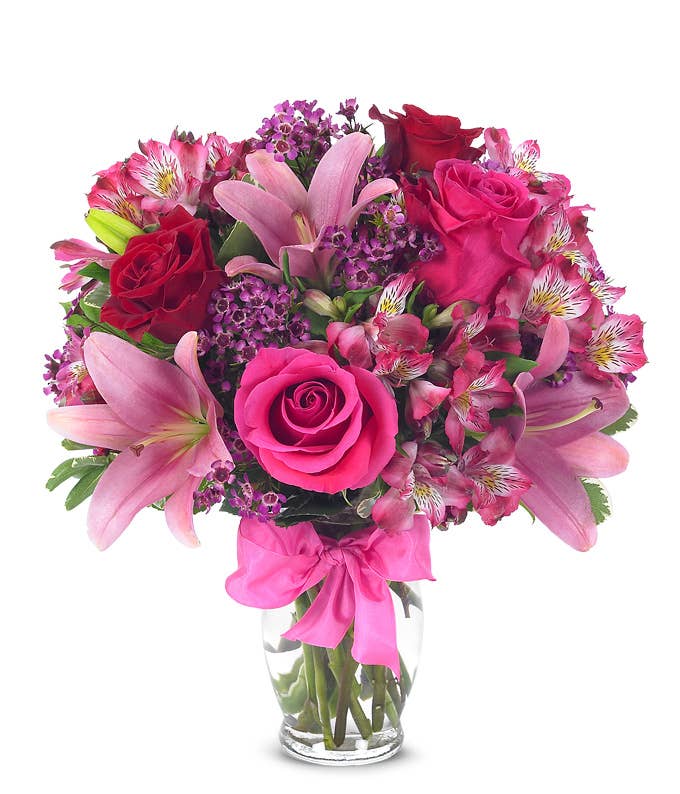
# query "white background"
(543, 670)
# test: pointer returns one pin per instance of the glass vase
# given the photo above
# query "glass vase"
(337, 711)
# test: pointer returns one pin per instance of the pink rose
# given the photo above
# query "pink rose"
(313, 423)
(480, 217)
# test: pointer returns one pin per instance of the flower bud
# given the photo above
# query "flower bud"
(115, 232)
(320, 303)
(445, 317)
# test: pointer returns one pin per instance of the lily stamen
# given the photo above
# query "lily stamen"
(593, 406)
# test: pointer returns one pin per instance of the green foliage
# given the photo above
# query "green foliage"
(241, 241)
(412, 297)
(599, 500)
(513, 364)
(83, 489)
(626, 421)
(86, 470)
(93, 270)
(91, 303)
(72, 446)
(319, 508)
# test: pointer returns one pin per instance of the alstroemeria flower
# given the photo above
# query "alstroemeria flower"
(477, 388)
(419, 482)
(112, 192)
(289, 220)
(76, 254)
(168, 175)
(163, 420)
(487, 471)
(395, 339)
(557, 439)
(615, 346)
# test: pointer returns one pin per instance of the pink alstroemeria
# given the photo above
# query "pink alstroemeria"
(477, 388)
(557, 289)
(289, 220)
(168, 175)
(487, 472)
(76, 254)
(389, 331)
(162, 418)
(558, 439)
(476, 330)
(615, 346)
(112, 192)
(72, 380)
(419, 482)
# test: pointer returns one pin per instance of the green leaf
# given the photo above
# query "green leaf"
(93, 270)
(412, 297)
(358, 296)
(240, 241)
(91, 304)
(150, 344)
(317, 323)
(626, 421)
(285, 267)
(78, 321)
(75, 467)
(84, 488)
(115, 232)
(352, 311)
(513, 364)
(72, 446)
(599, 501)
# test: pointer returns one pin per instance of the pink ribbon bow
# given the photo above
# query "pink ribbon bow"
(277, 564)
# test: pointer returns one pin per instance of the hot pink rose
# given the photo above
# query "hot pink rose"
(313, 423)
(480, 217)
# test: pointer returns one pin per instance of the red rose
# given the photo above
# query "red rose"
(480, 217)
(162, 283)
(417, 140)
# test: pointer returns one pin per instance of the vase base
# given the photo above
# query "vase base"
(354, 751)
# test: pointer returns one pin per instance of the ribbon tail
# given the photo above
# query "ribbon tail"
(375, 625)
(326, 621)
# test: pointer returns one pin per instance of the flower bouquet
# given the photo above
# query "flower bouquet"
(345, 345)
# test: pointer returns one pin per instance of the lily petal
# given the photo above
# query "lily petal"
(130, 483)
(278, 179)
(369, 193)
(556, 497)
(546, 405)
(140, 389)
(186, 358)
(95, 425)
(595, 455)
(331, 192)
(554, 348)
(248, 264)
(179, 512)
(267, 217)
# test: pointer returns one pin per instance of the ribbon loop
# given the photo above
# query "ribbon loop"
(278, 564)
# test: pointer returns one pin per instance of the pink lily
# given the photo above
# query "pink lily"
(162, 418)
(558, 439)
(76, 254)
(289, 220)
